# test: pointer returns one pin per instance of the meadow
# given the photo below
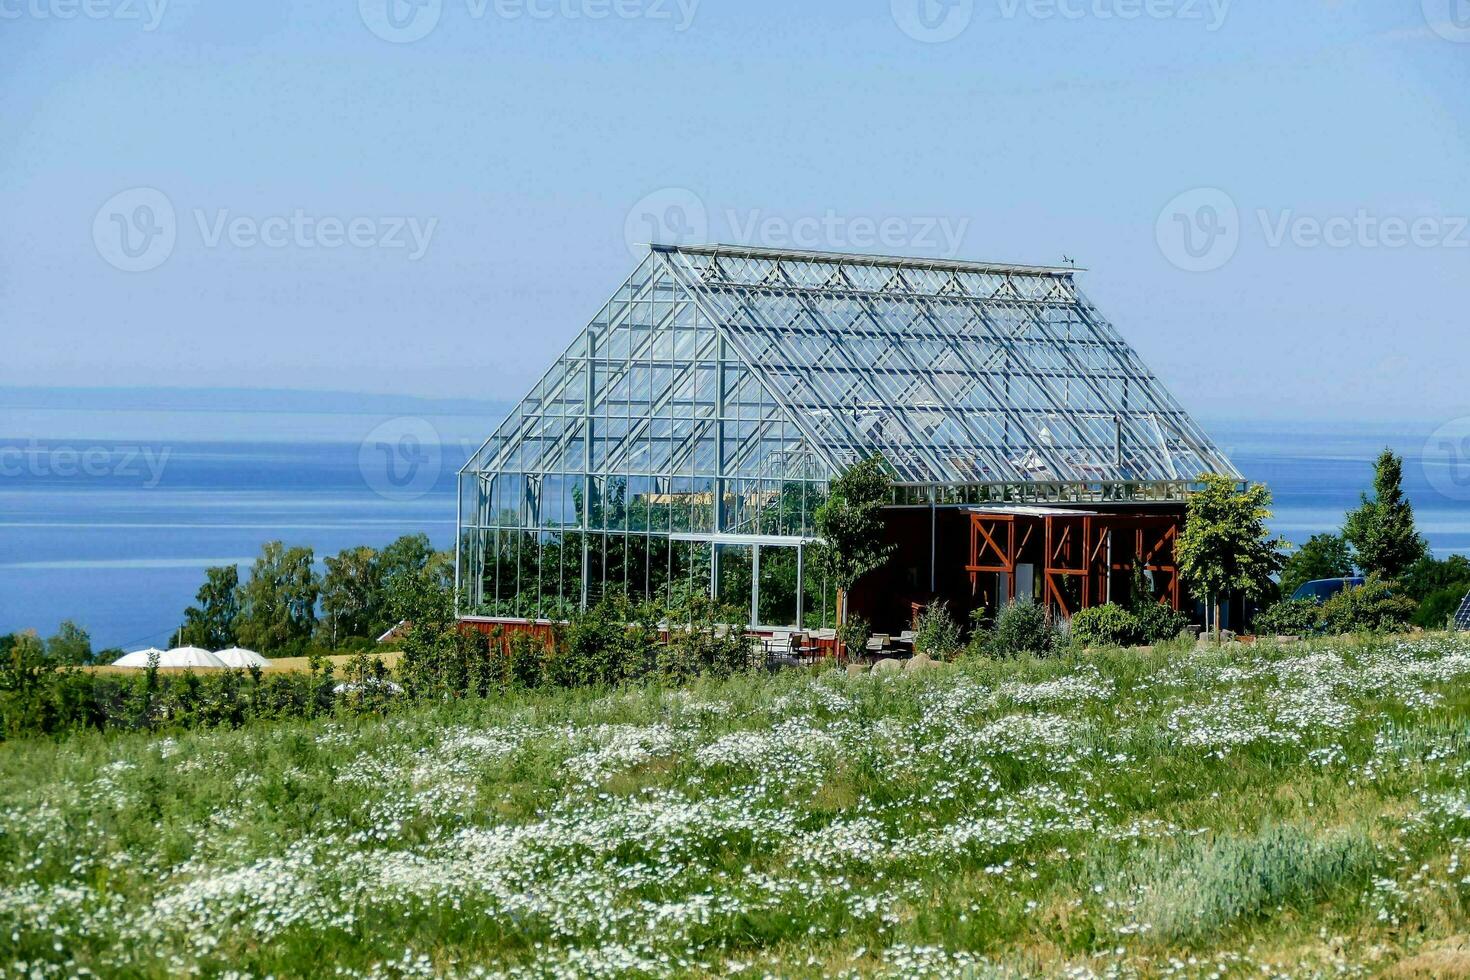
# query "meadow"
(1298, 810)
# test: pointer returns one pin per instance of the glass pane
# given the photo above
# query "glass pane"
(734, 586)
(778, 586)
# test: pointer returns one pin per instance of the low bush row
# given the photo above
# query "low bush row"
(612, 643)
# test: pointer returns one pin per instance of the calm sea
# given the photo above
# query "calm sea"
(116, 535)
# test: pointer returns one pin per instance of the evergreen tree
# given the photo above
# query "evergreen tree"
(1382, 530)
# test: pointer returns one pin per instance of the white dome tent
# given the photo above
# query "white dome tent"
(189, 657)
(239, 657)
(138, 658)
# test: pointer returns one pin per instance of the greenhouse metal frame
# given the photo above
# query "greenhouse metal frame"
(684, 439)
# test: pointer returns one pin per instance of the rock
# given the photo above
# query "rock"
(856, 670)
(918, 662)
(887, 666)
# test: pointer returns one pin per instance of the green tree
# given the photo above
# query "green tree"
(278, 603)
(418, 582)
(352, 595)
(211, 624)
(1429, 575)
(1382, 530)
(850, 523)
(1225, 548)
(1323, 556)
(71, 645)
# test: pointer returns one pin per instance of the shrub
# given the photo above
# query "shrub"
(1290, 617)
(854, 634)
(608, 644)
(442, 661)
(1021, 626)
(1438, 608)
(936, 633)
(709, 640)
(1106, 625)
(1159, 623)
(524, 664)
(1372, 607)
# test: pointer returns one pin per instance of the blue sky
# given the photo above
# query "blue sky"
(1270, 198)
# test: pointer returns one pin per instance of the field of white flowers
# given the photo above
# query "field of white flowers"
(1238, 811)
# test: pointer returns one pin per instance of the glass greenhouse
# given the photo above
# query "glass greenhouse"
(687, 434)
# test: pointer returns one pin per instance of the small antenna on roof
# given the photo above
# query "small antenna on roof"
(1068, 260)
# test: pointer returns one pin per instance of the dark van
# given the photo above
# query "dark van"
(1323, 589)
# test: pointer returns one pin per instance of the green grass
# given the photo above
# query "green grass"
(1246, 811)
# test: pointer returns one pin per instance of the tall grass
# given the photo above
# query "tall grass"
(1193, 894)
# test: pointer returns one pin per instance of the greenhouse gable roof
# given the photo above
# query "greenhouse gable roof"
(958, 373)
